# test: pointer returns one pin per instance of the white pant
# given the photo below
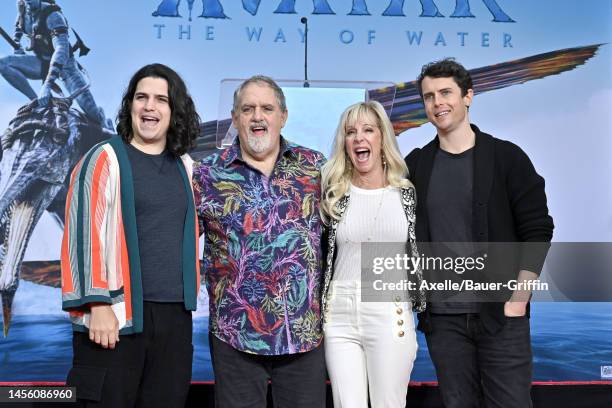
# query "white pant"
(368, 344)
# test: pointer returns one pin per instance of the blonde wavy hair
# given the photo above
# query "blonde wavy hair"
(336, 174)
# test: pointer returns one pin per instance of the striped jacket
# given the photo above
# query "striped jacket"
(100, 259)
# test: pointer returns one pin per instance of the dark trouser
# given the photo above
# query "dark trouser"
(148, 369)
(241, 379)
(476, 369)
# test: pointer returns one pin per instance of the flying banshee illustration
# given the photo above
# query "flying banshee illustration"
(39, 153)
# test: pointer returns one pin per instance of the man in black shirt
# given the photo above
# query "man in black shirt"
(474, 188)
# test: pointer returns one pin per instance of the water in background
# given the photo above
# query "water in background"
(571, 341)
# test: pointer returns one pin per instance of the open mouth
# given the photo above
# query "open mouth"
(362, 154)
(441, 114)
(149, 121)
(259, 130)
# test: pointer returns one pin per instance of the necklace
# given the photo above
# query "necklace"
(372, 229)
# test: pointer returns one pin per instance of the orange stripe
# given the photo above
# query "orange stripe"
(125, 264)
(67, 284)
(65, 263)
(97, 266)
(66, 271)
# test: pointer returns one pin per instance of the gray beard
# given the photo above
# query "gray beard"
(259, 144)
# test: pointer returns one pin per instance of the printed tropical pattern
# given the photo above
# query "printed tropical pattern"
(262, 252)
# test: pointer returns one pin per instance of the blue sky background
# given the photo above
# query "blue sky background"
(562, 122)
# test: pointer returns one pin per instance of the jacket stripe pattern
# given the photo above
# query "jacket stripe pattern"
(100, 260)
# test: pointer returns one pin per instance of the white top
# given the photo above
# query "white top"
(372, 216)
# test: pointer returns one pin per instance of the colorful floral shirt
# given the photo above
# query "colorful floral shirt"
(262, 253)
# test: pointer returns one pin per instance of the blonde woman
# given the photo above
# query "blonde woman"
(370, 347)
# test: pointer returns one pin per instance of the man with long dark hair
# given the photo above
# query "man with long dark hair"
(130, 271)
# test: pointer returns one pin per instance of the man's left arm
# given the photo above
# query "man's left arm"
(58, 26)
(517, 305)
(533, 225)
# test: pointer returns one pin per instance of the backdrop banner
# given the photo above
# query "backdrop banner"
(542, 79)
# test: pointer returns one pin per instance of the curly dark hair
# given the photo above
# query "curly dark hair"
(184, 120)
(446, 68)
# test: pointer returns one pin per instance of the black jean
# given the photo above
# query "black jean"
(149, 369)
(241, 379)
(477, 369)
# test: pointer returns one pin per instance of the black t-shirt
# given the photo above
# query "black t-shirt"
(161, 206)
(449, 205)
